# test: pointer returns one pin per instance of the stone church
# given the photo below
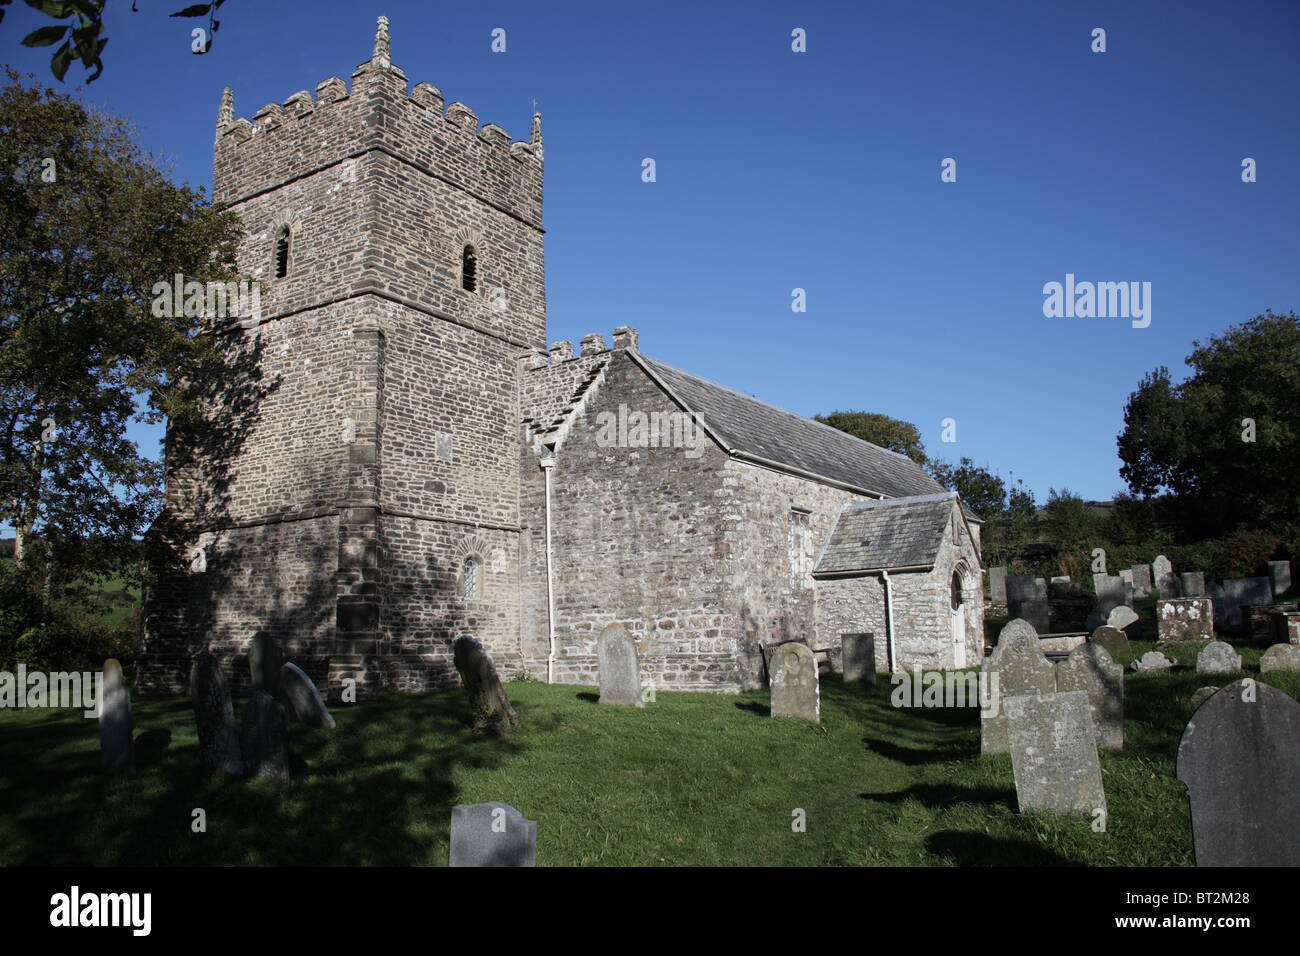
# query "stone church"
(391, 455)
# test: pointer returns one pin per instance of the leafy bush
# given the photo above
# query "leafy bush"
(1244, 554)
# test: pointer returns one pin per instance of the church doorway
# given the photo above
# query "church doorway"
(958, 624)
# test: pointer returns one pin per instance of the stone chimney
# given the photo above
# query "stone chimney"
(561, 351)
(593, 343)
(625, 337)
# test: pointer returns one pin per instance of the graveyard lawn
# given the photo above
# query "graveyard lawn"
(693, 779)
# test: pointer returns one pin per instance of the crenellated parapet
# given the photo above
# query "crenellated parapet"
(285, 141)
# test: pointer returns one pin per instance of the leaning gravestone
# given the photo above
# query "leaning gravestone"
(1193, 583)
(215, 716)
(1054, 753)
(1280, 657)
(1110, 592)
(115, 727)
(1279, 577)
(859, 652)
(1152, 661)
(491, 834)
(1089, 668)
(1124, 618)
(303, 698)
(265, 738)
(1019, 667)
(1141, 580)
(998, 585)
(264, 660)
(620, 668)
(1162, 576)
(1113, 639)
(795, 691)
(487, 699)
(1240, 760)
(1218, 657)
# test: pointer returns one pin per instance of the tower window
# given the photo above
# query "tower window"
(282, 253)
(469, 571)
(469, 269)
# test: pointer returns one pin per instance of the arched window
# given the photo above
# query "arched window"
(956, 591)
(469, 268)
(469, 576)
(282, 253)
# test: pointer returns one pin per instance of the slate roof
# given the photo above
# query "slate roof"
(890, 533)
(745, 424)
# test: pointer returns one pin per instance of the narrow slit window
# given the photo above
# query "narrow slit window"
(469, 269)
(282, 253)
(469, 572)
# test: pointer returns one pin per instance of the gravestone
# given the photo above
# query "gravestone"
(1152, 661)
(1240, 760)
(998, 585)
(1110, 592)
(1126, 575)
(1224, 609)
(1019, 667)
(1279, 577)
(1162, 577)
(620, 668)
(215, 716)
(1141, 580)
(1061, 579)
(1089, 668)
(1218, 657)
(1054, 753)
(1038, 614)
(487, 699)
(264, 738)
(1193, 583)
(1280, 657)
(1248, 591)
(1027, 599)
(1184, 619)
(859, 652)
(116, 743)
(1124, 618)
(491, 834)
(795, 691)
(1286, 626)
(1202, 695)
(303, 698)
(264, 660)
(1112, 639)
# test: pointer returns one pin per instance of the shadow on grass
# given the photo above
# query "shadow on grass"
(913, 757)
(755, 707)
(971, 848)
(940, 795)
(589, 697)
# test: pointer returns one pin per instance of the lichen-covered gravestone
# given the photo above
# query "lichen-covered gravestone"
(795, 688)
(264, 660)
(115, 727)
(265, 738)
(859, 651)
(1280, 657)
(303, 698)
(215, 716)
(491, 834)
(1113, 639)
(1054, 753)
(1152, 661)
(1240, 760)
(1089, 668)
(1184, 619)
(1019, 667)
(1124, 618)
(1218, 657)
(1202, 695)
(1141, 580)
(1162, 576)
(620, 668)
(487, 698)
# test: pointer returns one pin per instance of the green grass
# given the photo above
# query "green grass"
(692, 779)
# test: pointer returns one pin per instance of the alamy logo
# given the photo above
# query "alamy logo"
(55, 689)
(75, 909)
(946, 689)
(216, 300)
(1102, 300)
(634, 429)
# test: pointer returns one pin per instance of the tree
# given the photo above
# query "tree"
(1224, 441)
(83, 37)
(982, 491)
(891, 433)
(1066, 519)
(88, 229)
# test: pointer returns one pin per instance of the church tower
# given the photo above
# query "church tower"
(354, 488)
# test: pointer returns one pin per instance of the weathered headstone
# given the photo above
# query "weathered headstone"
(265, 738)
(1124, 618)
(487, 698)
(1202, 695)
(1141, 580)
(1248, 591)
(264, 660)
(1152, 661)
(620, 667)
(1089, 668)
(491, 834)
(859, 651)
(998, 585)
(1225, 611)
(1053, 748)
(1020, 669)
(1193, 583)
(1280, 657)
(303, 698)
(1162, 577)
(795, 690)
(116, 743)
(1110, 592)
(1113, 639)
(1218, 657)
(1184, 619)
(1038, 614)
(1240, 760)
(1061, 579)
(215, 716)
(1279, 577)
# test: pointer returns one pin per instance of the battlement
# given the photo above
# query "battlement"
(285, 141)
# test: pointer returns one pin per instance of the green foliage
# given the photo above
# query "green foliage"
(981, 490)
(1066, 520)
(1244, 554)
(890, 433)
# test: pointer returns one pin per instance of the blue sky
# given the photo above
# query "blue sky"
(820, 170)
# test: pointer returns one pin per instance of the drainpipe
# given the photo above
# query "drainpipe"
(548, 462)
(889, 623)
